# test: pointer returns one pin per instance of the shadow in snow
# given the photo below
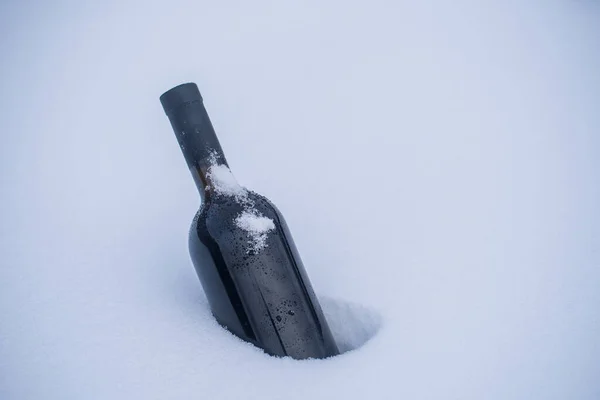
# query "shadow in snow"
(352, 324)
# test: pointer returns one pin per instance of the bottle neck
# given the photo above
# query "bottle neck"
(197, 140)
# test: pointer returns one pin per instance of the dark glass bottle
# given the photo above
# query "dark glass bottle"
(242, 248)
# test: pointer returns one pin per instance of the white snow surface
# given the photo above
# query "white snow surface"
(436, 162)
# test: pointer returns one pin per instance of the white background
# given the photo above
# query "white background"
(437, 162)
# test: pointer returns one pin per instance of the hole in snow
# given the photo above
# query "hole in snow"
(351, 324)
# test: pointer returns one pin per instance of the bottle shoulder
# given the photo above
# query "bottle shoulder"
(252, 219)
(251, 201)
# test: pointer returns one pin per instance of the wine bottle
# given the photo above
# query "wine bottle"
(242, 249)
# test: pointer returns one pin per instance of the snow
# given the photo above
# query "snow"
(436, 162)
(224, 182)
(250, 219)
(257, 225)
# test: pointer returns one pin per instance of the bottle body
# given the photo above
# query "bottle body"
(263, 296)
(242, 248)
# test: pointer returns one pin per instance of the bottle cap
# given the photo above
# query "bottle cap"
(181, 95)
